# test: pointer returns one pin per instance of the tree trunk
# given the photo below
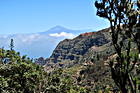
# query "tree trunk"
(123, 90)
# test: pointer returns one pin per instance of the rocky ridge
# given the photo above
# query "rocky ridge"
(85, 47)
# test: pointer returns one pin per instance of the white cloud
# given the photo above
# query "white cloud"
(35, 45)
(62, 34)
(30, 38)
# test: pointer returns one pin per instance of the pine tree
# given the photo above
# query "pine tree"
(11, 44)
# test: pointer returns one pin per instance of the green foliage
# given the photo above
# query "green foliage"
(18, 74)
(58, 82)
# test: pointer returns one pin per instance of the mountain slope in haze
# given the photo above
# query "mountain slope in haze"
(81, 46)
(39, 44)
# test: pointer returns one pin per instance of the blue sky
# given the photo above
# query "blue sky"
(30, 16)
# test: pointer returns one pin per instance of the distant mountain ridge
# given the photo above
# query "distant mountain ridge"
(58, 29)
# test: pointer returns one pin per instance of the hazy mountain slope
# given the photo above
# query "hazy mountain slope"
(84, 46)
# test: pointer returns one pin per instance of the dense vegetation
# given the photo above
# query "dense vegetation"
(18, 74)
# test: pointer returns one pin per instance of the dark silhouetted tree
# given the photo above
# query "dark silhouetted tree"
(11, 44)
(123, 16)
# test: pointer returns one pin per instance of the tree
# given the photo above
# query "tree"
(123, 16)
(12, 44)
